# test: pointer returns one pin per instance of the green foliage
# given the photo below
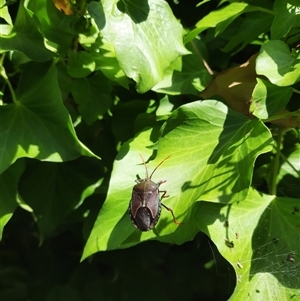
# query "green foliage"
(264, 258)
(220, 97)
(277, 63)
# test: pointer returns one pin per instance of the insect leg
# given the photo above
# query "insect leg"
(164, 194)
(174, 218)
(164, 191)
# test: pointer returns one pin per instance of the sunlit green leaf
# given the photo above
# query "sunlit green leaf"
(276, 62)
(71, 73)
(56, 27)
(106, 61)
(269, 99)
(215, 169)
(289, 173)
(26, 38)
(192, 78)
(258, 236)
(135, 30)
(38, 125)
(221, 18)
(4, 13)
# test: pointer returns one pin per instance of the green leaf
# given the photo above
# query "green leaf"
(252, 26)
(4, 13)
(80, 64)
(9, 196)
(276, 62)
(135, 29)
(96, 11)
(192, 78)
(93, 97)
(258, 236)
(26, 38)
(221, 18)
(56, 27)
(38, 125)
(287, 15)
(215, 153)
(113, 222)
(217, 168)
(166, 106)
(216, 148)
(52, 193)
(107, 62)
(292, 166)
(268, 99)
(289, 173)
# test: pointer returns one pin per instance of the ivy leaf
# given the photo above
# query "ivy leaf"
(146, 36)
(58, 29)
(289, 173)
(221, 18)
(107, 62)
(259, 241)
(5, 13)
(287, 15)
(38, 125)
(81, 64)
(190, 79)
(253, 25)
(269, 99)
(215, 169)
(26, 38)
(276, 62)
(9, 196)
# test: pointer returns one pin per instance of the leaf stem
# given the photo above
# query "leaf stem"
(202, 58)
(296, 91)
(281, 116)
(6, 79)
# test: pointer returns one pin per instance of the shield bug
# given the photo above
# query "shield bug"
(145, 204)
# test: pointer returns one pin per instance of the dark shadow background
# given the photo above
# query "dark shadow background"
(148, 271)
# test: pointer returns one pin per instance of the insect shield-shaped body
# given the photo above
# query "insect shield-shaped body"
(145, 203)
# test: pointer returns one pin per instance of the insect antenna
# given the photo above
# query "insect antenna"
(147, 175)
(159, 165)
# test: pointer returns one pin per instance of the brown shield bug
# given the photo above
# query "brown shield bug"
(145, 204)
